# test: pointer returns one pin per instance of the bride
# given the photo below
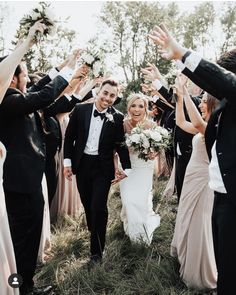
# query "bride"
(137, 214)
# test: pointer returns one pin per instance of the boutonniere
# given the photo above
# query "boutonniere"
(109, 117)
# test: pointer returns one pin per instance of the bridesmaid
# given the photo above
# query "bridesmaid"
(192, 242)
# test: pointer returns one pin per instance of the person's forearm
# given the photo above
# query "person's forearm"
(193, 113)
(9, 64)
(179, 114)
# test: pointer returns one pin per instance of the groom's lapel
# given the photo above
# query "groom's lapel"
(106, 124)
(87, 120)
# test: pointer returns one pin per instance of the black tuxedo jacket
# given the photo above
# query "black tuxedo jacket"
(111, 138)
(222, 124)
(22, 134)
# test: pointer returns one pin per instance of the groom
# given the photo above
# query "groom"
(94, 132)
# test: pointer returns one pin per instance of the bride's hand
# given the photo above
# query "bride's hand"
(1, 153)
(119, 175)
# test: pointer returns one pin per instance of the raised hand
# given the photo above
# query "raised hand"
(169, 47)
(37, 27)
(151, 73)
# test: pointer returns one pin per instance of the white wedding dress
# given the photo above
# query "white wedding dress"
(7, 256)
(137, 213)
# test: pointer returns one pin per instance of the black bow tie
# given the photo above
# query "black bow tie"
(96, 113)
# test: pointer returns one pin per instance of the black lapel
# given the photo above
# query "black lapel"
(87, 119)
(106, 124)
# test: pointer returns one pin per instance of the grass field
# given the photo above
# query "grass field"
(127, 269)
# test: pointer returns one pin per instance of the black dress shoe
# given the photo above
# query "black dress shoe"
(96, 259)
(42, 290)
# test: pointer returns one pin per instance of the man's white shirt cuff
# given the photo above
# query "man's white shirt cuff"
(154, 98)
(53, 73)
(66, 73)
(192, 61)
(157, 84)
(67, 162)
(68, 96)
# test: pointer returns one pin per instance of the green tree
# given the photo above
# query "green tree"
(228, 23)
(198, 25)
(130, 23)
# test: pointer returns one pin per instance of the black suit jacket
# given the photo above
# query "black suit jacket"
(111, 138)
(222, 124)
(22, 134)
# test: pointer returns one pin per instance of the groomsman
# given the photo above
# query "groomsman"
(94, 132)
(220, 140)
(24, 166)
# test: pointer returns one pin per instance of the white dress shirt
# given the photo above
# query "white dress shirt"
(95, 129)
(216, 182)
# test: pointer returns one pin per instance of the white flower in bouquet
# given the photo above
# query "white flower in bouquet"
(88, 58)
(135, 138)
(144, 142)
(97, 66)
(35, 15)
(156, 136)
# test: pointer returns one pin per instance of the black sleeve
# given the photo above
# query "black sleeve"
(214, 79)
(40, 84)
(19, 103)
(70, 135)
(61, 105)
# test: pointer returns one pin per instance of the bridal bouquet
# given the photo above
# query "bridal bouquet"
(147, 141)
(94, 62)
(41, 12)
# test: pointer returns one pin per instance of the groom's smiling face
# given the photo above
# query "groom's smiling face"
(106, 97)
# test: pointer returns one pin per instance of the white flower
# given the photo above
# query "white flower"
(146, 143)
(135, 138)
(97, 68)
(109, 117)
(49, 14)
(35, 15)
(156, 136)
(88, 58)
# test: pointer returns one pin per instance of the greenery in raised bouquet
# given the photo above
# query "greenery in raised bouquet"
(42, 12)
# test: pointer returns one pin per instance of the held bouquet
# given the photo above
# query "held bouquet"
(94, 61)
(42, 12)
(147, 141)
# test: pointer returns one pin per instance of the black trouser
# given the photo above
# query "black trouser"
(224, 238)
(25, 214)
(181, 165)
(94, 187)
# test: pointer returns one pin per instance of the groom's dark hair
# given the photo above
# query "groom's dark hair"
(110, 82)
(18, 69)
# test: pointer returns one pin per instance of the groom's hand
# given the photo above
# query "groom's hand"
(68, 173)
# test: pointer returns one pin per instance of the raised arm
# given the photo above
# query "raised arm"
(179, 111)
(9, 64)
(209, 76)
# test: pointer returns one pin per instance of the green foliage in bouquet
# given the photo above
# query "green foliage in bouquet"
(144, 142)
(42, 12)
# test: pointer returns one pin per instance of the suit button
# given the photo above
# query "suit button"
(220, 153)
(224, 174)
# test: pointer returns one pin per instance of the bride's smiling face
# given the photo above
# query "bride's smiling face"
(137, 110)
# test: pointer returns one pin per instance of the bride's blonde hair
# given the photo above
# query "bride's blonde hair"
(134, 96)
